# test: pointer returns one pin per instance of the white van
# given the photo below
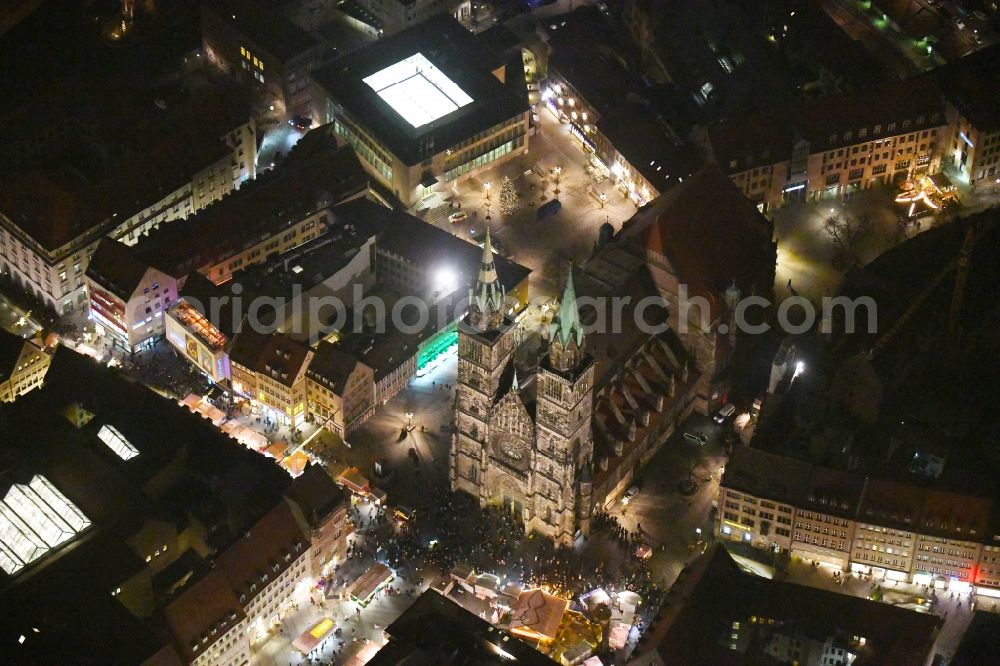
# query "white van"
(727, 410)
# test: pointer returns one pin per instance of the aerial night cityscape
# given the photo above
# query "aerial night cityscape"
(488, 332)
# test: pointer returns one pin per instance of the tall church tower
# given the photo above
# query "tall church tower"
(565, 390)
(485, 347)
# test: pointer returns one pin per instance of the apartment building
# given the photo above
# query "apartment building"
(973, 147)
(886, 529)
(834, 147)
(126, 298)
(824, 524)
(322, 506)
(757, 505)
(270, 215)
(270, 371)
(214, 168)
(251, 586)
(391, 16)
(260, 46)
(341, 389)
(612, 111)
(23, 364)
(48, 233)
(476, 115)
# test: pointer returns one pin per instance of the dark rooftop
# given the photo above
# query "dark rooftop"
(11, 347)
(332, 366)
(744, 141)
(114, 267)
(718, 594)
(275, 355)
(435, 631)
(596, 59)
(212, 479)
(264, 22)
(424, 244)
(459, 55)
(314, 175)
(971, 84)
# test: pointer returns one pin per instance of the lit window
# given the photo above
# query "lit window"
(117, 443)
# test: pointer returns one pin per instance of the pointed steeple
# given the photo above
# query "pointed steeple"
(566, 335)
(486, 299)
(569, 326)
(514, 386)
(487, 268)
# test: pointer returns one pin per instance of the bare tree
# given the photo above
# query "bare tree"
(847, 236)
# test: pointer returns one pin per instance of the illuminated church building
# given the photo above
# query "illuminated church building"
(531, 456)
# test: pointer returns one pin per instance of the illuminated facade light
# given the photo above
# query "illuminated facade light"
(117, 442)
(34, 519)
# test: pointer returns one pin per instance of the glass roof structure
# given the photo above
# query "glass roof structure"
(417, 90)
(34, 519)
(117, 442)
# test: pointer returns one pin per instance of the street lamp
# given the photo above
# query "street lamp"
(557, 170)
(486, 186)
(409, 420)
(604, 199)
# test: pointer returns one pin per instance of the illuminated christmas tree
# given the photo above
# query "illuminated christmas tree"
(508, 197)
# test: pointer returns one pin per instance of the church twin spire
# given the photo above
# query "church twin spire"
(486, 299)
(566, 335)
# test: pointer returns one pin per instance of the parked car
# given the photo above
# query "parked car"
(301, 123)
(727, 410)
(696, 438)
(460, 216)
(629, 494)
(548, 209)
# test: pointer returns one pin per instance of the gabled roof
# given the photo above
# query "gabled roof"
(710, 234)
(11, 347)
(116, 269)
(316, 494)
(332, 366)
(275, 355)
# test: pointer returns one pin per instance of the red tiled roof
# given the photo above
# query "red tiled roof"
(710, 234)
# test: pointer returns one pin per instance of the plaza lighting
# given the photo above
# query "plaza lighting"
(486, 186)
(445, 279)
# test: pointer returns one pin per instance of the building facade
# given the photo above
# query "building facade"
(887, 530)
(270, 371)
(24, 363)
(833, 148)
(127, 299)
(340, 389)
(396, 15)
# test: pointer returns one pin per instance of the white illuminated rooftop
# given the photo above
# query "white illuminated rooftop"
(117, 442)
(35, 518)
(417, 90)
